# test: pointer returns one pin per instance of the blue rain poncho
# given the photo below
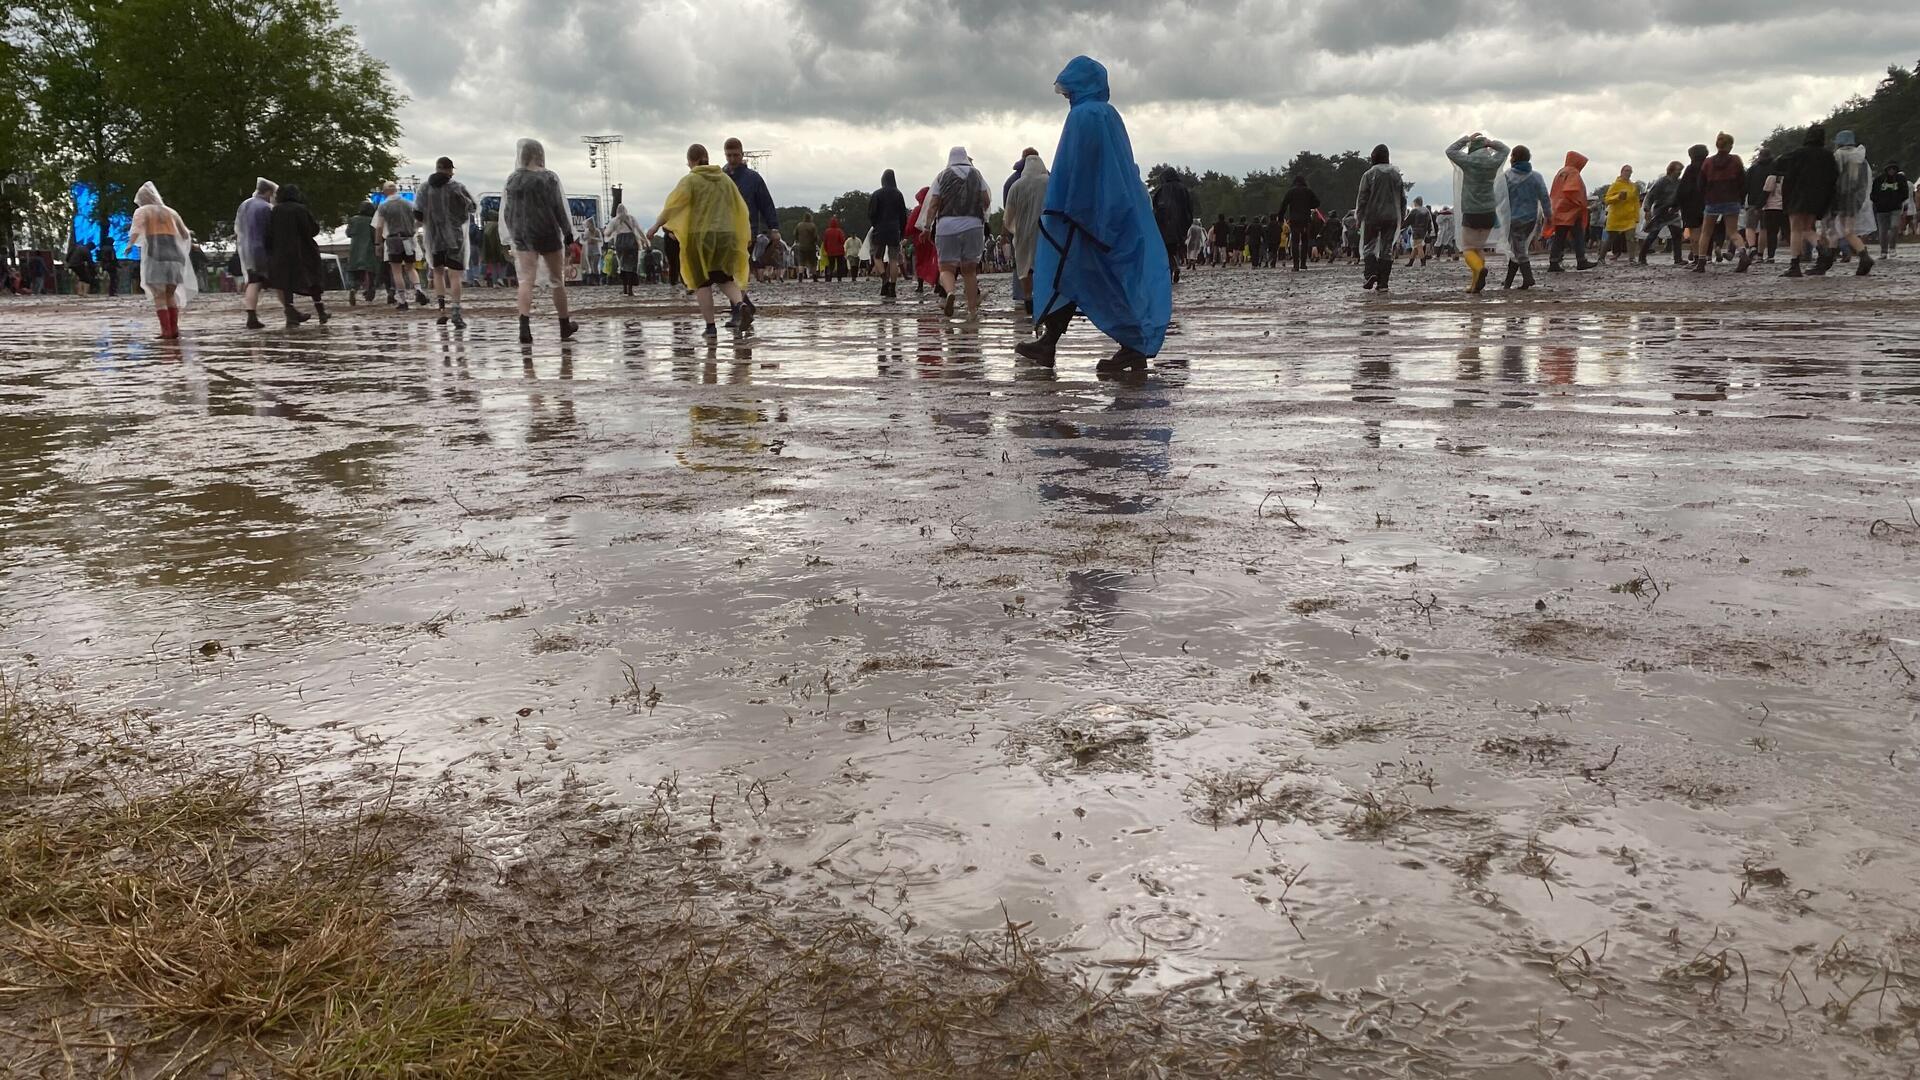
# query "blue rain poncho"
(1100, 247)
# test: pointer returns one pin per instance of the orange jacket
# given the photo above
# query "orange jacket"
(1570, 193)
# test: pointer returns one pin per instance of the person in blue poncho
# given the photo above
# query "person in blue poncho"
(1100, 252)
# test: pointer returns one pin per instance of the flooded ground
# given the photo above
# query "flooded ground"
(1522, 686)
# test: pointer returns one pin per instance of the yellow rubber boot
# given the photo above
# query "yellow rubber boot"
(1478, 264)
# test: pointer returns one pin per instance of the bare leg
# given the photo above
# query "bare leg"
(559, 283)
(731, 290)
(252, 302)
(703, 296)
(971, 271)
(527, 263)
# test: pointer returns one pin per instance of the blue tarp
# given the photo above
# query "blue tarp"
(1099, 246)
(86, 227)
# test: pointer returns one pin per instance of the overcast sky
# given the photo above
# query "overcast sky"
(839, 90)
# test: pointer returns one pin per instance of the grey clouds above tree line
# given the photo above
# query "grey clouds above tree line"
(842, 88)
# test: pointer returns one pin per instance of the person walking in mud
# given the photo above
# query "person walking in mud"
(1723, 188)
(1661, 210)
(763, 217)
(250, 243)
(166, 269)
(710, 217)
(1025, 201)
(1570, 215)
(1527, 205)
(536, 225)
(393, 227)
(956, 225)
(1297, 206)
(1381, 207)
(1100, 251)
(445, 207)
(294, 256)
(887, 224)
(1622, 201)
(1809, 177)
(1477, 161)
(1172, 209)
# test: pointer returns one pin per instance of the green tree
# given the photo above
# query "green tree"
(279, 89)
(80, 101)
(201, 96)
(18, 145)
(1887, 124)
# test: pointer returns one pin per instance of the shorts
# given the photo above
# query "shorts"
(1751, 217)
(1477, 221)
(1723, 209)
(884, 252)
(966, 246)
(448, 260)
(716, 277)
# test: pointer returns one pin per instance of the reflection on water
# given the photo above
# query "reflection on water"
(1069, 673)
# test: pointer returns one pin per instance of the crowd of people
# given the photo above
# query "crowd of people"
(1082, 237)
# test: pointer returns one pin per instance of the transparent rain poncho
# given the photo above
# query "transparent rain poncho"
(444, 209)
(1489, 152)
(165, 247)
(250, 228)
(533, 207)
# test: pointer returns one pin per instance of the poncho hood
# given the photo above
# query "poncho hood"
(1084, 79)
(1697, 152)
(1576, 160)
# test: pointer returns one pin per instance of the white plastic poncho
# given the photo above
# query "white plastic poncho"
(166, 247)
(1502, 210)
(529, 155)
(249, 227)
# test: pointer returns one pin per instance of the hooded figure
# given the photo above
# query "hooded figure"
(1172, 209)
(362, 259)
(887, 224)
(627, 244)
(533, 206)
(250, 230)
(445, 206)
(1196, 242)
(1809, 176)
(1477, 165)
(166, 268)
(1570, 213)
(1380, 209)
(1099, 250)
(292, 255)
(1025, 200)
(926, 261)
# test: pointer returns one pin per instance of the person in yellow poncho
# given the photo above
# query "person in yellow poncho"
(709, 217)
(1623, 215)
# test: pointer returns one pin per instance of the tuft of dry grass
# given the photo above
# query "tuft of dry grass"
(162, 914)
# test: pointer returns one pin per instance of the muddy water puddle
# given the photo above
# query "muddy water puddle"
(1510, 689)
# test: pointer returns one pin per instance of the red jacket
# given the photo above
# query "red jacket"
(834, 240)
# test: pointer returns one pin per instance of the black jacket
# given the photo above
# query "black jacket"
(1890, 193)
(293, 259)
(887, 211)
(1299, 204)
(1809, 178)
(1173, 211)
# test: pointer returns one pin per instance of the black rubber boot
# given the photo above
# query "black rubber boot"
(1513, 271)
(295, 318)
(1866, 265)
(320, 309)
(1827, 259)
(526, 330)
(1793, 269)
(253, 321)
(1526, 276)
(568, 328)
(1041, 349)
(1127, 359)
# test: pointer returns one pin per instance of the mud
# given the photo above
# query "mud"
(1522, 686)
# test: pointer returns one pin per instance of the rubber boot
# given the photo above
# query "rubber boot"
(1041, 349)
(294, 318)
(253, 321)
(1513, 271)
(1699, 264)
(165, 315)
(568, 328)
(420, 296)
(1793, 269)
(459, 320)
(1866, 264)
(1127, 359)
(1827, 258)
(320, 309)
(526, 330)
(1385, 266)
(1372, 273)
(1526, 276)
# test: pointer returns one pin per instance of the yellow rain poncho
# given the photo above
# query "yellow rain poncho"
(1623, 205)
(708, 215)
